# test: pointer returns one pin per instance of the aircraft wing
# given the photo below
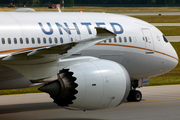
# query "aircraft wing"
(59, 51)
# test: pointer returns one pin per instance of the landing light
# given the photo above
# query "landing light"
(81, 11)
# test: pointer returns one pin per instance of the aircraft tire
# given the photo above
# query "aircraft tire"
(134, 96)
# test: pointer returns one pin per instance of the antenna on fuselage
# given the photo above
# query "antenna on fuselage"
(59, 9)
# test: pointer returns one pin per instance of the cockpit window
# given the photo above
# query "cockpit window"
(165, 39)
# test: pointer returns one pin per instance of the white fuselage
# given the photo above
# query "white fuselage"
(138, 46)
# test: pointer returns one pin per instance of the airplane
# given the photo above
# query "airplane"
(84, 61)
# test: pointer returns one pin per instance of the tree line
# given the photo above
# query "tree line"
(35, 1)
(90, 2)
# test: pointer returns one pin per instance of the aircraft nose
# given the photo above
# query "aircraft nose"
(173, 57)
(170, 59)
(176, 57)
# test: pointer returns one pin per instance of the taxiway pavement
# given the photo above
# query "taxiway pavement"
(166, 24)
(173, 38)
(158, 103)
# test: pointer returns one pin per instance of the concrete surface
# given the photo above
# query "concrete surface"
(158, 103)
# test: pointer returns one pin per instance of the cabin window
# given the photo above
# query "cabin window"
(44, 40)
(165, 39)
(130, 39)
(21, 40)
(27, 40)
(120, 40)
(146, 39)
(50, 40)
(71, 39)
(115, 40)
(33, 40)
(61, 39)
(9, 40)
(15, 41)
(55, 40)
(125, 39)
(110, 40)
(135, 40)
(3, 41)
(39, 40)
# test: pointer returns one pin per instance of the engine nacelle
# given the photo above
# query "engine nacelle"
(97, 84)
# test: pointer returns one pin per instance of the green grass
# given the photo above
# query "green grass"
(120, 9)
(160, 19)
(170, 30)
(150, 19)
(167, 30)
(103, 9)
(20, 91)
(164, 81)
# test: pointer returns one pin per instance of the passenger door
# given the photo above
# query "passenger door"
(147, 37)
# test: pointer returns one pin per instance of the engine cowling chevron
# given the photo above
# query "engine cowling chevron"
(63, 89)
(97, 84)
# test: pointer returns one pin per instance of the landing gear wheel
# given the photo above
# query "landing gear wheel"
(135, 96)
